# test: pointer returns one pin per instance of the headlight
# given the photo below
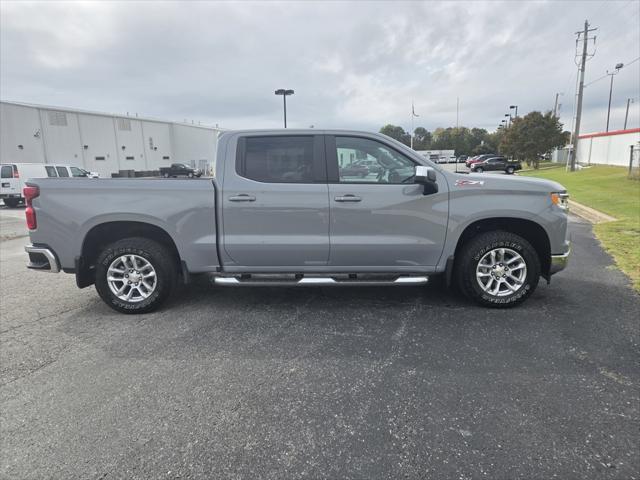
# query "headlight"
(561, 199)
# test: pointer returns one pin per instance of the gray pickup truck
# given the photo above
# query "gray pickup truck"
(280, 210)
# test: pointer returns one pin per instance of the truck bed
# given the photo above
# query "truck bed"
(68, 209)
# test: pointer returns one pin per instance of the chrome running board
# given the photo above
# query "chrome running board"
(318, 281)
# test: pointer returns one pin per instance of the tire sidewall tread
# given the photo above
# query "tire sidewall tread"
(475, 249)
(156, 254)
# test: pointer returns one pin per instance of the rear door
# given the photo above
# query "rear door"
(384, 220)
(275, 206)
(9, 181)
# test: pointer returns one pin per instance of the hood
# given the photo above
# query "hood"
(510, 182)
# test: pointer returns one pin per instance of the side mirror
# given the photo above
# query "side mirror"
(427, 177)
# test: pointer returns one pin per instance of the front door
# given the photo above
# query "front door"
(275, 203)
(380, 218)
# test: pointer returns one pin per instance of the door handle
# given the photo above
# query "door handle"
(243, 197)
(348, 198)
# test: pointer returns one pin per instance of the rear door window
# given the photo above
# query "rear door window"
(279, 159)
(62, 171)
(6, 171)
(51, 171)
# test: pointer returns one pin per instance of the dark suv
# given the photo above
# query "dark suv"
(478, 158)
(496, 163)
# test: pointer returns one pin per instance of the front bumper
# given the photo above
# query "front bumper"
(42, 258)
(559, 262)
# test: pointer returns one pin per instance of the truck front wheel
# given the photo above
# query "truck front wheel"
(498, 269)
(135, 275)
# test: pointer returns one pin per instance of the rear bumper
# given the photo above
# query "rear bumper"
(559, 262)
(42, 258)
(10, 195)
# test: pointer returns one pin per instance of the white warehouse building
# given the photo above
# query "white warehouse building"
(101, 142)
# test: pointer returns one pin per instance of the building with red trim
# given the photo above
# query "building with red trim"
(608, 148)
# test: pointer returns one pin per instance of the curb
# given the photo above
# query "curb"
(589, 214)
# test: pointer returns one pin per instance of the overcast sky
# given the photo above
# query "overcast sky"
(352, 65)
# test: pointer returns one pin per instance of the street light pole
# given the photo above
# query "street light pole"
(511, 107)
(284, 94)
(626, 115)
(618, 67)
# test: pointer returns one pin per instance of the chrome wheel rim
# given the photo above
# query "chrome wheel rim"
(131, 278)
(501, 272)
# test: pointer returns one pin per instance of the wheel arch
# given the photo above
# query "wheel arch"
(530, 230)
(103, 234)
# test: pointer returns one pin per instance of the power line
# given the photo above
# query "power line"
(606, 74)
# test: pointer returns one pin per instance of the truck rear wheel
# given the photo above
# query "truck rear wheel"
(498, 269)
(135, 275)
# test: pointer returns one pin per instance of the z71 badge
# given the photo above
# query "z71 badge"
(466, 183)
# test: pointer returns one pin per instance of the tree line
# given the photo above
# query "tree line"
(528, 138)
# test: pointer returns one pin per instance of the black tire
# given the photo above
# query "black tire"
(473, 251)
(478, 170)
(510, 170)
(12, 202)
(190, 175)
(162, 260)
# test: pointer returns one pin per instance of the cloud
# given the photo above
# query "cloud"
(352, 64)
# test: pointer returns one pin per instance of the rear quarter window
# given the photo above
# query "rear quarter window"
(62, 171)
(6, 171)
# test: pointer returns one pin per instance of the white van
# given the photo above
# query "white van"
(13, 176)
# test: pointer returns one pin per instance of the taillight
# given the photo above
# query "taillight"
(30, 192)
(16, 174)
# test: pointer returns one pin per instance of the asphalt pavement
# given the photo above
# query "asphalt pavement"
(12, 222)
(404, 382)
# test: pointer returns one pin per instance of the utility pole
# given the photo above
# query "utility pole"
(457, 112)
(583, 62)
(413, 114)
(555, 106)
(626, 115)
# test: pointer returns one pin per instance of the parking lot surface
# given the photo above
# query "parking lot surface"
(12, 222)
(321, 383)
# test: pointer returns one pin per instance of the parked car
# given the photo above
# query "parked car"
(180, 170)
(479, 158)
(13, 176)
(278, 213)
(462, 159)
(372, 165)
(354, 170)
(496, 164)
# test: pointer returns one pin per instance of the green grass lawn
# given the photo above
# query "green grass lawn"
(609, 190)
